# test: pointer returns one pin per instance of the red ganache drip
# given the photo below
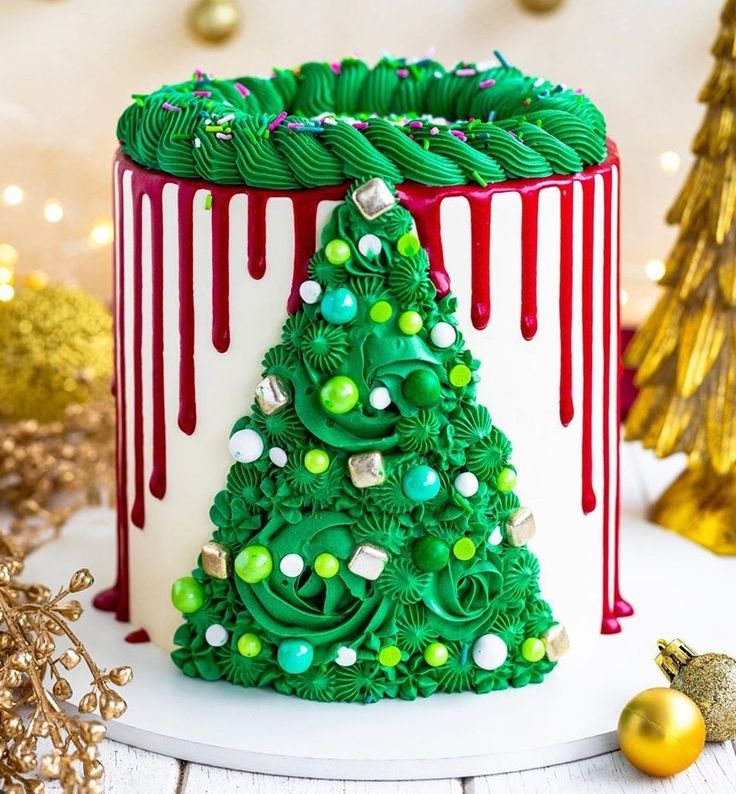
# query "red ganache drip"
(425, 205)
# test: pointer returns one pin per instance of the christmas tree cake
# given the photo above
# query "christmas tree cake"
(305, 263)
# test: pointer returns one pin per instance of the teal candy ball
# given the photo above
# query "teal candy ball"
(339, 306)
(253, 564)
(339, 395)
(421, 483)
(295, 656)
(422, 388)
(430, 553)
(187, 594)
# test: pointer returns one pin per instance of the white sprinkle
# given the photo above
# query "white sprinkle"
(197, 143)
(225, 119)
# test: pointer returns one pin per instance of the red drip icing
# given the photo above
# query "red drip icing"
(588, 500)
(529, 245)
(609, 624)
(187, 396)
(427, 218)
(138, 510)
(107, 600)
(221, 273)
(157, 482)
(567, 410)
(480, 242)
(138, 636)
(305, 243)
(257, 233)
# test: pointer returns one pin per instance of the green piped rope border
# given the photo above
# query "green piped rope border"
(322, 124)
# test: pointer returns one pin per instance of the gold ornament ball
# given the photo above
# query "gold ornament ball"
(214, 21)
(56, 350)
(661, 731)
(541, 6)
(709, 681)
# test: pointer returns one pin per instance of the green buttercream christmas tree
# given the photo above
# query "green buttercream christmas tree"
(368, 542)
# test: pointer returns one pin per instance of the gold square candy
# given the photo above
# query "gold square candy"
(215, 560)
(366, 469)
(272, 395)
(521, 527)
(557, 642)
(373, 198)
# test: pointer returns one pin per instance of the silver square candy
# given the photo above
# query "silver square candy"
(373, 198)
(557, 642)
(271, 395)
(216, 560)
(366, 469)
(368, 561)
(521, 527)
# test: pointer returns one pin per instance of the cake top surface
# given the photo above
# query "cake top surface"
(325, 123)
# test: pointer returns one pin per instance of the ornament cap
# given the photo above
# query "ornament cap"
(673, 656)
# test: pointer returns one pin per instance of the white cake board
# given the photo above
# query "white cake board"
(678, 589)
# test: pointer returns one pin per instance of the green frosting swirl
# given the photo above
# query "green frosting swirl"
(322, 124)
(291, 509)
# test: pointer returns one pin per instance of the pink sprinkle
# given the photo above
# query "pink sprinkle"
(223, 136)
(416, 125)
(360, 125)
(487, 83)
(292, 125)
(403, 73)
(513, 134)
(169, 106)
(459, 134)
(578, 90)
(465, 72)
(275, 123)
(199, 73)
(242, 89)
(336, 68)
(202, 93)
(434, 131)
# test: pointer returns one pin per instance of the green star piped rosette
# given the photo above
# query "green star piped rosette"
(368, 542)
(324, 124)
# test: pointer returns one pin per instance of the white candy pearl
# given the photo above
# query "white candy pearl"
(369, 245)
(346, 657)
(466, 484)
(277, 456)
(216, 635)
(380, 398)
(489, 652)
(443, 335)
(309, 291)
(291, 565)
(495, 537)
(246, 446)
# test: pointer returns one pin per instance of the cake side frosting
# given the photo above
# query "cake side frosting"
(322, 124)
(368, 542)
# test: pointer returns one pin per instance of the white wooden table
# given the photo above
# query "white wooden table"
(132, 771)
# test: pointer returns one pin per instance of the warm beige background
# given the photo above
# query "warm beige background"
(69, 67)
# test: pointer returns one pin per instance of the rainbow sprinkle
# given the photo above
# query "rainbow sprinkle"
(465, 73)
(434, 131)
(223, 136)
(402, 73)
(360, 125)
(242, 89)
(202, 93)
(487, 83)
(169, 106)
(275, 123)
(459, 134)
(416, 125)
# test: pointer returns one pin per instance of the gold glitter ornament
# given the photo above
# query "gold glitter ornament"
(541, 6)
(214, 21)
(709, 680)
(56, 351)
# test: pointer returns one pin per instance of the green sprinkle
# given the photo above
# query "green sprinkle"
(214, 128)
(139, 99)
(479, 179)
(208, 202)
(180, 136)
(425, 144)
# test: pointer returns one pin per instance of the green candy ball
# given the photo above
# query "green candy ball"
(389, 656)
(430, 553)
(253, 564)
(381, 312)
(187, 594)
(339, 395)
(422, 388)
(464, 549)
(410, 323)
(249, 645)
(460, 375)
(326, 565)
(436, 654)
(337, 252)
(506, 480)
(533, 649)
(295, 656)
(408, 244)
(316, 461)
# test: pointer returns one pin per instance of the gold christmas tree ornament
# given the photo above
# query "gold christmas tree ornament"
(685, 353)
(56, 351)
(541, 6)
(709, 680)
(214, 21)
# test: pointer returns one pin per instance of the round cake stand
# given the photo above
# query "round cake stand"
(679, 590)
